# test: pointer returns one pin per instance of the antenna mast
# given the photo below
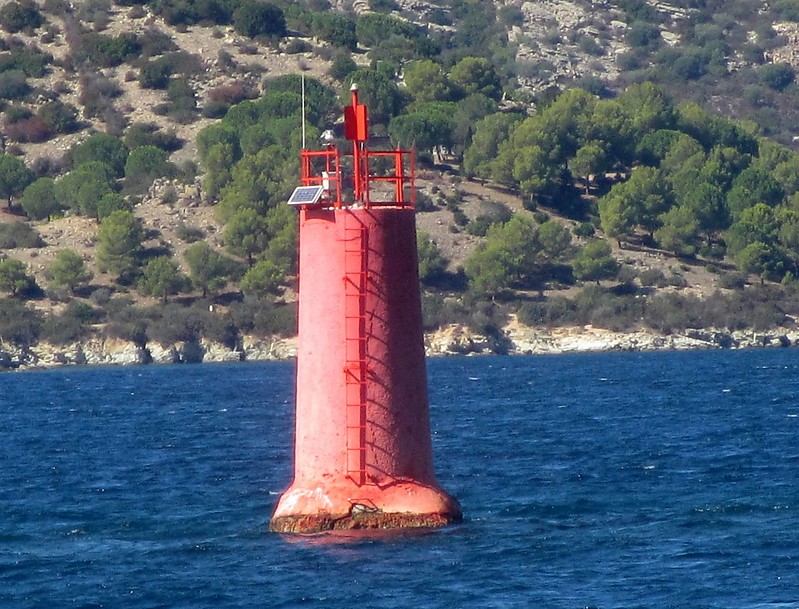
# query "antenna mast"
(302, 80)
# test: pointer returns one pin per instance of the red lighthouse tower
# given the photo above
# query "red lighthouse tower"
(363, 455)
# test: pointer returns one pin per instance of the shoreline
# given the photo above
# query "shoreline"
(514, 339)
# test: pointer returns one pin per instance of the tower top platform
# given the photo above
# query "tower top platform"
(357, 178)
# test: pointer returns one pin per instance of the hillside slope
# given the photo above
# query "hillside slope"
(149, 75)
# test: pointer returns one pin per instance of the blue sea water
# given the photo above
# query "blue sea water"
(615, 480)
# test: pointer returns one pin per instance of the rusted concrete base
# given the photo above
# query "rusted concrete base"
(343, 505)
(318, 523)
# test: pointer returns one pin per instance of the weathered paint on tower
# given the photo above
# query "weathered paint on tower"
(363, 455)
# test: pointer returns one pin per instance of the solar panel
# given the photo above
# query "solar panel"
(305, 195)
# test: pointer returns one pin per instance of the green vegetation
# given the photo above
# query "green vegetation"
(19, 324)
(595, 261)
(18, 16)
(119, 243)
(18, 234)
(39, 200)
(14, 278)
(208, 269)
(161, 277)
(102, 148)
(254, 18)
(69, 271)
(14, 177)
(603, 167)
(145, 164)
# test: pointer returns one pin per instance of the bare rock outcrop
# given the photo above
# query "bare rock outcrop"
(455, 339)
(275, 348)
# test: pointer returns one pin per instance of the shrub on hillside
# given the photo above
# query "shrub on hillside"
(106, 51)
(161, 277)
(183, 63)
(553, 311)
(96, 12)
(335, 28)
(671, 312)
(297, 46)
(57, 7)
(777, 76)
(31, 129)
(97, 94)
(175, 323)
(343, 65)
(111, 202)
(155, 75)
(31, 61)
(19, 325)
(155, 42)
(18, 16)
(786, 9)
(126, 321)
(643, 35)
(16, 113)
(39, 201)
(13, 85)
(214, 109)
(261, 317)
(187, 12)
(45, 166)
(231, 94)
(189, 234)
(732, 281)
(145, 164)
(72, 325)
(439, 311)
(84, 187)
(102, 148)
(59, 117)
(605, 308)
(584, 229)
(149, 134)
(14, 278)
(69, 271)
(182, 105)
(432, 262)
(18, 234)
(254, 18)
(495, 214)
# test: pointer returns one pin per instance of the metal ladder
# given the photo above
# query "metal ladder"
(355, 368)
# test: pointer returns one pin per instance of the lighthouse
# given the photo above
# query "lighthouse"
(363, 454)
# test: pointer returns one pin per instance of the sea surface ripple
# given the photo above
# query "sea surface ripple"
(609, 481)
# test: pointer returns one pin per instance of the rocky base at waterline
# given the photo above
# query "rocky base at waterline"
(515, 339)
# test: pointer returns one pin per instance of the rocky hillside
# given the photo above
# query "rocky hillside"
(156, 74)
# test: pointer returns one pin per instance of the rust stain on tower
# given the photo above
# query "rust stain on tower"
(363, 455)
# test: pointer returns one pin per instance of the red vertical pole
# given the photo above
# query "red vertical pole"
(356, 151)
(399, 173)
